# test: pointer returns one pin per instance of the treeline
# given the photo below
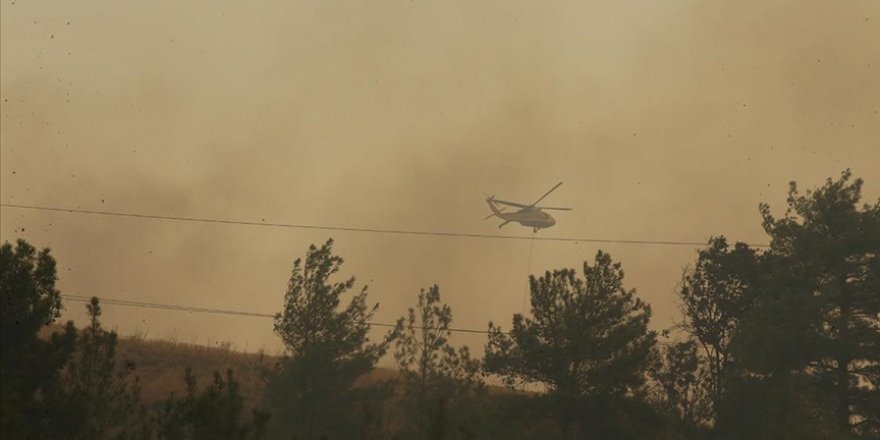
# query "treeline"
(778, 343)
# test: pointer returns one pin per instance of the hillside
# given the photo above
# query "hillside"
(160, 366)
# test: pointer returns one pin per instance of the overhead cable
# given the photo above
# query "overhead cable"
(191, 309)
(358, 229)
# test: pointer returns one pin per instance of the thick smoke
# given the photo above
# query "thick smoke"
(666, 120)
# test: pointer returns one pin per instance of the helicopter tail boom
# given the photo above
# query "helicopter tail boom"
(491, 202)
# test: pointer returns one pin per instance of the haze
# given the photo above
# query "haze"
(666, 120)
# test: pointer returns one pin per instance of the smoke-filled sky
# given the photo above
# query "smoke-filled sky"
(666, 120)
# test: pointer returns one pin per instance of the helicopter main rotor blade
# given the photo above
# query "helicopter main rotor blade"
(546, 194)
(504, 202)
(543, 208)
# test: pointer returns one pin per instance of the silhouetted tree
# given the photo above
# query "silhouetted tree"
(436, 376)
(715, 296)
(215, 413)
(29, 364)
(681, 389)
(95, 398)
(327, 350)
(586, 338)
(819, 317)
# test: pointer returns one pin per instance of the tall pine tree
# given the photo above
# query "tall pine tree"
(29, 364)
(587, 340)
(327, 349)
(825, 264)
(437, 378)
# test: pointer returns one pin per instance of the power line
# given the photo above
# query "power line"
(356, 229)
(192, 309)
(130, 303)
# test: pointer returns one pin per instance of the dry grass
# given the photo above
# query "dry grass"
(160, 366)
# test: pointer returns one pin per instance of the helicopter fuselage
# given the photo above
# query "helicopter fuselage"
(532, 217)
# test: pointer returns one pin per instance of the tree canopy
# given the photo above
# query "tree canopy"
(586, 338)
(327, 347)
(436, 376)
(29, 364)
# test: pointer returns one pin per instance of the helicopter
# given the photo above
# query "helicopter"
(528, 215)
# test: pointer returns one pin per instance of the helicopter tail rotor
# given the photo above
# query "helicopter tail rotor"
(490, 200)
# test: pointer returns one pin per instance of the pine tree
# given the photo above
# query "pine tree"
(716, 295)
(821, 314)
(29, 365)
(682, 388)
(213, 413)
(327, 349)
(436, 376)
(586, 338)
(95, 398)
